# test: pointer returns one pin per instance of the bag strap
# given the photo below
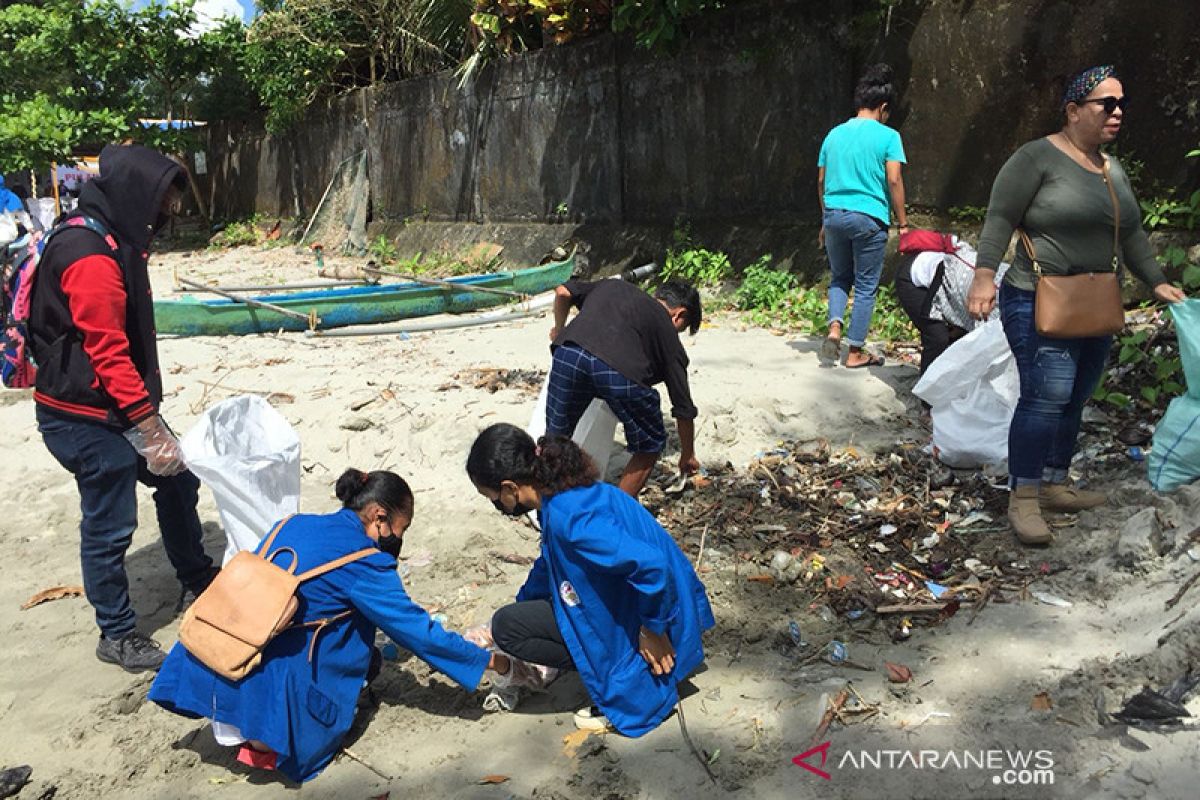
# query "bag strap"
(337, 562)
(1112, 194)
(1025, 240)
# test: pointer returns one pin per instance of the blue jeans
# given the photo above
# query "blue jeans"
(854, 243)
(107, 470)
(1057, 378)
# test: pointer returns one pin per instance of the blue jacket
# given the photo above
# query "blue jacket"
(8, 199)
(609, 568)
(301, 710)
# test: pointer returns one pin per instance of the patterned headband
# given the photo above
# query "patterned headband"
(1082, 84)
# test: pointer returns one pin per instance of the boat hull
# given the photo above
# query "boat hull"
(358, 305)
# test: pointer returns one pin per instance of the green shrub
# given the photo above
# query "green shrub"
(763, 287)
(698, 266)
(383, 250)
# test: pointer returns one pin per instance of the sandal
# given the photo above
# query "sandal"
(831, 348)
(872, 361)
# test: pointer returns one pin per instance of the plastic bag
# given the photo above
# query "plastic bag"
(973, 390)
(594, 433)
(249, 456)
(1174, 459)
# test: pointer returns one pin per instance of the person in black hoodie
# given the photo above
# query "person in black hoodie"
(98, 388)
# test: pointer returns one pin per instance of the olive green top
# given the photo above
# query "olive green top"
(1068, 213)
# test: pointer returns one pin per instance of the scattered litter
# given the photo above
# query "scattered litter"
(887, 529)
(678, 485)
(796, 636)
(897, 673)
(1041, 702)
(53, 593)
(936, 589)
(1160, 708)
(492, 779)
(574, 740)
(13, 779)
(836, 652)
(1050, 599)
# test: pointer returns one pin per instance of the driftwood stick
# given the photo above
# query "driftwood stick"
(688, 739)
(350, 754)
(464, 287)
(1182, 591)
(700, 555)
(311, 319)
(913, 608)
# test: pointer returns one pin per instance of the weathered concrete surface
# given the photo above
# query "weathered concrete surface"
(982, 78)
(615, 143)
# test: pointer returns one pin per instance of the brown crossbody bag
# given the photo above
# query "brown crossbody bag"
(1082, 305)
(249, 603)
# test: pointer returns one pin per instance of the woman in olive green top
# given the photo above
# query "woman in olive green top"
(1054, 189)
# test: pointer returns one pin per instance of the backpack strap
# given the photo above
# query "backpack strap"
(274, 532)
(316, 572)
(85, 222)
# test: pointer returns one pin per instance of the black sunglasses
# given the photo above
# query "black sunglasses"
(1110, 103)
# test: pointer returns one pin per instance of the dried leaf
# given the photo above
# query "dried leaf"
(53, 593)
(843, 581)
(572, 742)
(493, 779)
(897, 673)
(1041, 702)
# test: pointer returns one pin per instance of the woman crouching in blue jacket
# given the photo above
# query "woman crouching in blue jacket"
(611, 594)
(293, 710)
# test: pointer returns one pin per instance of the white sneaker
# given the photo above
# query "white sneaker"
(589, 718)
(505, 693)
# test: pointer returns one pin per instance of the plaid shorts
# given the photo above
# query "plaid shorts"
(577, 377)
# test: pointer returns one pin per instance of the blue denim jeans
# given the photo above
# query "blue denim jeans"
(854, 243)
(107, 470)
(1057, 378)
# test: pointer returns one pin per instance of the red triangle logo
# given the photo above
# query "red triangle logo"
(800, 760)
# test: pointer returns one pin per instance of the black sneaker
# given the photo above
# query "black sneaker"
(133, 652)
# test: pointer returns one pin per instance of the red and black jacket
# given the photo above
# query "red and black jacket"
(91, 321)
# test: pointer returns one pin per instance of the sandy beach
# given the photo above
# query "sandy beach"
(413, 404)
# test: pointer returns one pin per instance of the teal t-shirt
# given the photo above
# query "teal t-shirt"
(853, 155)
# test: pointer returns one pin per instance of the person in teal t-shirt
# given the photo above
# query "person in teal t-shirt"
(858, 170)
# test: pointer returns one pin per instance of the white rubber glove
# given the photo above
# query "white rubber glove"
(154, 442)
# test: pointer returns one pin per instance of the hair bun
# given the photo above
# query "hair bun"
(349, 484)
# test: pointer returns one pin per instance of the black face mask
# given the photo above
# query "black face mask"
(391, 544)
(518, 510)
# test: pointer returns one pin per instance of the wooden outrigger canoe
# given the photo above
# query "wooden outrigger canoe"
(358, 305)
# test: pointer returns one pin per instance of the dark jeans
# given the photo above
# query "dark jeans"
(1057, 378)
(854, 243)
(936, 334)
(107, 470)
(529, 631)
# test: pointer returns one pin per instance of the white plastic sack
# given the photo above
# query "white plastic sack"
(973, 389)
(249, 456)
(594, 433)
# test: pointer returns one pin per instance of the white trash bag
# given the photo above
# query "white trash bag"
(249, 456)
(594, 433)
(973, 390)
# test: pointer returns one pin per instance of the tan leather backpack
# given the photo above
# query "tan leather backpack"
(249, 603)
